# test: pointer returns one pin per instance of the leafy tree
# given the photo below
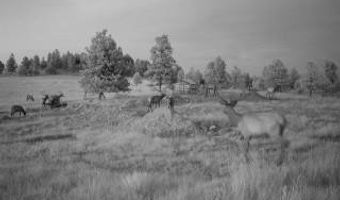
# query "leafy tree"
(2, 67)
(35, 65)
(105, 69)
(141, 66)
(137, 78)
(236, 77)
(315, 79)
(294, 76)
(194, 75)
(68, 61)
(54, 62)
(43, 64)
(180, 75)
(275, 74)
(11, 64)
(215, 72)
(25, 67)
(247, 81)
(331, 71)
(162, 65)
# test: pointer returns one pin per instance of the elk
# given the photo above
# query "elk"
(252, 125)
(155, 100)
(270, 93)
(29, 97)
(17, 108)
(45, 100)
(53, 101)
(101, 95)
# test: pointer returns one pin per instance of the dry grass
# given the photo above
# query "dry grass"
(113, 149)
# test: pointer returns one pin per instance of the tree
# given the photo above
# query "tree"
(331, 71)
(312, 77)
(180, 75)
(236, 77)
(194, 75)
(293, 77)
(2, 67)
(11, 64)
(43, 64)
(137, 78)
(162, 65)
(215, 72)
(25, 67)
(275, 74)
(35, 65)
(105, 69)
(141, 66)
(54, 62)
(247, 81)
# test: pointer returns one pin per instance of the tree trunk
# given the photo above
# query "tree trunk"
(160, 85)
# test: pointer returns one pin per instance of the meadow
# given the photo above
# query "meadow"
(114, 149)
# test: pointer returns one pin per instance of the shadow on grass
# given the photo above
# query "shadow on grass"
(34, 140)
(327, 138)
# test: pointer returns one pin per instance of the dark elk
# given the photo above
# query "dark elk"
(44, 100)
(101, 95)
(155, 101)
(29, 97)
(17, 109)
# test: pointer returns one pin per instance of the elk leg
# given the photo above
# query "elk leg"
(246, 144)
(283, 145)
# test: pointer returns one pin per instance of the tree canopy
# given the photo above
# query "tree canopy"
(11, 64)
(215, 72)
(163, 68)
(106, 68)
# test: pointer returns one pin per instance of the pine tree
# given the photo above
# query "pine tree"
(162, 65)
(107, 68)
(11, 65)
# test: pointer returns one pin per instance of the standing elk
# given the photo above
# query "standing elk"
(17, 108)
(101, 95)
(252, 125)
(155, 100)
(45, 100)
(29, 97)
(270, 93)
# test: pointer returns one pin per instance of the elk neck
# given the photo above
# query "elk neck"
(234, 116)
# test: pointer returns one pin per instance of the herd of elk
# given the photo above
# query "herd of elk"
(252, 125)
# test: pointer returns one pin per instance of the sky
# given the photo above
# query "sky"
(247, 33)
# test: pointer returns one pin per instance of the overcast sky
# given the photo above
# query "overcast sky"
(246, 33)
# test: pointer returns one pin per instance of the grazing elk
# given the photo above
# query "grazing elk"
(155, 100)
(252, 125)
(19, 109)
(29, 97)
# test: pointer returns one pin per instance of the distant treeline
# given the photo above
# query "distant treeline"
(55, 63)
(105, 67)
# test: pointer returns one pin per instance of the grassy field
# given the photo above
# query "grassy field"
(114, 149)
